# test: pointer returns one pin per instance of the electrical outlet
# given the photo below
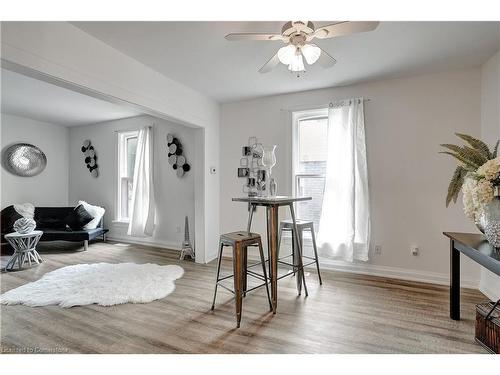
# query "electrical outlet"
(415, 251)
(178, 229)
(378, 249)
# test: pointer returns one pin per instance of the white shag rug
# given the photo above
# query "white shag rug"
(102, 283)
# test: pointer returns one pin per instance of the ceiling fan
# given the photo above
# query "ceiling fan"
(297, 35)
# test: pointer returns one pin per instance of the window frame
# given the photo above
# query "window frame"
(122, 170)
(296, 118)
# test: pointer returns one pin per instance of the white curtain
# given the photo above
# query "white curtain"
(143, 203)
(344, 229)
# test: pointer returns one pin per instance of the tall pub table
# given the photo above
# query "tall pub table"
(272, 205)
(474, 246)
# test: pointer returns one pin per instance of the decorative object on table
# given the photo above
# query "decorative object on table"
(478, 176)
(24, 225)
(488, 326)
(90, 158)
(273, 187)
(252, 167)
(187, 248)
(175, 156)
(24, 246)
(24, 159)
(101, 283)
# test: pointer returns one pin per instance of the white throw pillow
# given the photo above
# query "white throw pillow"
(95, 211)
(26, 210)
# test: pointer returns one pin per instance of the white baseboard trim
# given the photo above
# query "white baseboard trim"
(159, 244)
(396, 273)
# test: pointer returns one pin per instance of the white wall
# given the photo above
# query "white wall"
(49, 188)
(174, 196)
(406, 120)
(60, 52)
(490, 131)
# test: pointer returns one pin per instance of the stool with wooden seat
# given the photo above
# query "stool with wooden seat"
(302, 225)
(240, 241)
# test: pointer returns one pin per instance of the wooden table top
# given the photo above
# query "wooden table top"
(277, 200)
(475, 246)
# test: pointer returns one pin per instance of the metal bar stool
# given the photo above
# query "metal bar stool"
(302, 225)
(240, 241)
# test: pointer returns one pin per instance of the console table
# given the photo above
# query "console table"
(479, 250)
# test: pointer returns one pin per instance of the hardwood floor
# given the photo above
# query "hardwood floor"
(347, 314)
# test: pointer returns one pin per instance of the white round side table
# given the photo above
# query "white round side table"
(24, 249)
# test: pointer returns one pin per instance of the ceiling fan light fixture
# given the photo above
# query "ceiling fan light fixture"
(286, 54)
(297, 64)
(311, 53)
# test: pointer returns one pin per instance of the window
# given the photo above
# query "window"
(127, 146)
(310, 152)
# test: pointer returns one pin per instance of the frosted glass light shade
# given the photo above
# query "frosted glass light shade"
(297, 64)
(286, 54)
(311, 53)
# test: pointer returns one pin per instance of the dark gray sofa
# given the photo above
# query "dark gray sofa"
(50, 220)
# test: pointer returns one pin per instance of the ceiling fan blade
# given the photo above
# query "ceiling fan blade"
(325, 59)
(345, 28)
(253, 36)
(270, 64)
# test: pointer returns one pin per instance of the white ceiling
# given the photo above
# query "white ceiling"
(196, 53)
(28, 97)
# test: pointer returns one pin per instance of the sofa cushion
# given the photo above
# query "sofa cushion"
(96, 212)
(51, 217)
(9, 217)
(77, 218)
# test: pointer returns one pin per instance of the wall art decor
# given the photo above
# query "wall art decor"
(90, 158)
(175, 156)
(253, 168)
(24, 159)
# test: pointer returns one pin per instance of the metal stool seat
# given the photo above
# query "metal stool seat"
(240, 241)
(302, 225)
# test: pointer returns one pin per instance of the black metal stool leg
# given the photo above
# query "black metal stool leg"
(221, 246)
(313, 237)
(294, 253)
(299, 252)
(263, 261)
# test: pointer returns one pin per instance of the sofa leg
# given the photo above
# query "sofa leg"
(86, 245)
(104, 237)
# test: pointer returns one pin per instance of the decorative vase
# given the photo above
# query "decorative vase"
(24, 225)
(273, 187)
(489, 222)
(268, 161)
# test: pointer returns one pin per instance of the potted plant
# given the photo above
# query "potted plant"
(478, 176)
